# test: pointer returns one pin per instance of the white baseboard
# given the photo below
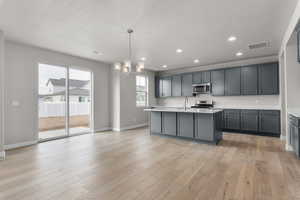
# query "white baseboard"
(2, 155)
(103, 129)
(282, 137)
(130, 127)
(18, 145)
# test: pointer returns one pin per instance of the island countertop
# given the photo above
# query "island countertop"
(183, 110)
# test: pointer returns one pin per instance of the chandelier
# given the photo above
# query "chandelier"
(126, 65)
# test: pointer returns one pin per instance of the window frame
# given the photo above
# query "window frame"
(145, 91)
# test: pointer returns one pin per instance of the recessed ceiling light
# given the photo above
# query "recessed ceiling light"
(164, 66)
(179, 50)
(196, 61)
(239, 53)
(143, 58)
(232, 39)
(97, 53)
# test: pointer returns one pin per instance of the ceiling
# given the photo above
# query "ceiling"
(199, 27)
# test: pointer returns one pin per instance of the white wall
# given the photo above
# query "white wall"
(115, 98)
(21, 80)
(254, 102)
(1, 93)
(292, 81)
(125, 112)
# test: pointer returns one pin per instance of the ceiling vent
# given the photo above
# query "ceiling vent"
(259, 45)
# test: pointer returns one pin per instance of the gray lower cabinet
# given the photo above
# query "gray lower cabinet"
(167, 87)
(203, 125)
(176, 86)
(232, 119)
(155, 123)
(294, 139)
(185, 125)
(169, 121)
(249, 120)
(249, 80)
(208, 123)
(187, 82)
(269, 121)
(233, 82)
(218, 82)
(268, 79)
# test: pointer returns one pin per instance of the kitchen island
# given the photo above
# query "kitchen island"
(202, 125)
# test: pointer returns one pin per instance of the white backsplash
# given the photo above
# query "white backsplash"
(239, 102)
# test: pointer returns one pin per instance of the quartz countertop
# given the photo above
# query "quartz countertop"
(249, 108)
(294, 112)
(188, 110)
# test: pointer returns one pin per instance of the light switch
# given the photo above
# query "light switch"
(15, 103)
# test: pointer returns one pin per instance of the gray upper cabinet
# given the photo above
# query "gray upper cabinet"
(268, 79)
(205, 77)
(259, 79)
(249, 120)
(201, 77)
(155, 123)
(197, 77)
(161, 87)
(249, 80)
(169, 121)
(233, 82)
(218, 82)
(269, 121)
(232, 119)
(157, 86)
(167, 87)
(176, 86)
(187, 82)
(185, 125)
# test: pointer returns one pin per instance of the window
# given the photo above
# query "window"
(141, 91)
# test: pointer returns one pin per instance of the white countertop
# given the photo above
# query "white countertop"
(188, 110)
(295, 112)
(248, 107)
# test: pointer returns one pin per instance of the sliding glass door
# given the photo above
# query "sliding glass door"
(52, 102)
(65, 101)
(79, 101)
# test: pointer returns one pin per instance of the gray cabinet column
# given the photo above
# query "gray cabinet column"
(233, 82)
(218, 82)
(187, 82)
(176, 86)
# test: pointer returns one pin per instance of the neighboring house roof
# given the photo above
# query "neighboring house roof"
(72, 92)
(72, 82)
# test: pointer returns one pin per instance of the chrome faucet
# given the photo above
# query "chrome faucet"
(186, 100)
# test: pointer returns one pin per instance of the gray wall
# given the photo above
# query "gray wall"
(1, 91)
(257, 102)
(124, 110)
(21, 80)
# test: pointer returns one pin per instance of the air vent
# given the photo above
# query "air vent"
(259, 45)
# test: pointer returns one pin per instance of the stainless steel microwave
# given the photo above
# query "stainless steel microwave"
(201, 88)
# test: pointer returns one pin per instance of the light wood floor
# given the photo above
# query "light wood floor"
(134, 165)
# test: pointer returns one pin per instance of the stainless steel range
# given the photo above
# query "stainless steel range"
(203, 104)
